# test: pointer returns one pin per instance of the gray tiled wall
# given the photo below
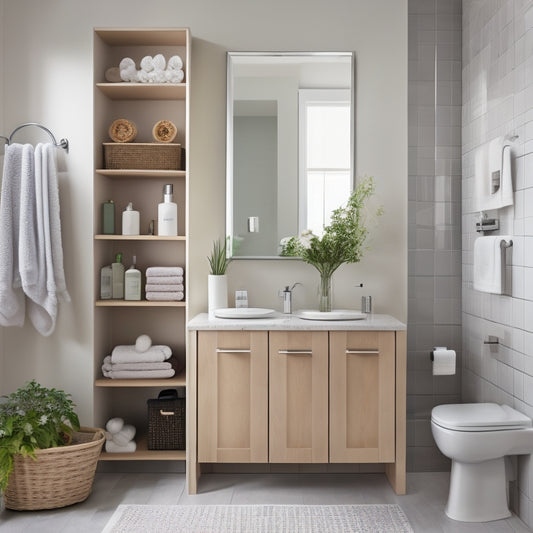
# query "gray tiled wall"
(434, 217)
(498, 100)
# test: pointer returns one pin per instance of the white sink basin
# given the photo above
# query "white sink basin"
(244, 312)
(336, 314)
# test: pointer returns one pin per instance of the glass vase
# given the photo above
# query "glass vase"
(324, 293)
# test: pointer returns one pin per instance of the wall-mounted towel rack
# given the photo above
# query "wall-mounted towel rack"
(63, 143)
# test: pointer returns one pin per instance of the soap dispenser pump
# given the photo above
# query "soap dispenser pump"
(167, 214)
(130, 221)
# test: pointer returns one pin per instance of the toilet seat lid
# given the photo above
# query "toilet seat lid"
(479, 417)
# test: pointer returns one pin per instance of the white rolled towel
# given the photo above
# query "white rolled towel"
(154, 287)
(174, 76)
(112, 447)
(175, 63)
(128, 354)
(157, 271)
(114, 425)
(142, 343)
(128, 71)
(147, 64)
(125, 435)
(168, 296)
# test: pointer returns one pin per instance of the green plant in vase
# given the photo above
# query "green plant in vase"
(343, 241)
(33, 418)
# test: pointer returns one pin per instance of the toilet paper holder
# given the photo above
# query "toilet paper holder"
(431, 356)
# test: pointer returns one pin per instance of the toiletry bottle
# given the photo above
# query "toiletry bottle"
(108, 218)
(117, 273)
(132, 282)
(130, 221)
(167, 214)
(106, 287)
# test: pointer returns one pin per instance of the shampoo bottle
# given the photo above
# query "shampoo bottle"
(108, 218)
(130, 221)
(117, 274)
(167, 214)
(106, 283)
(132, 282)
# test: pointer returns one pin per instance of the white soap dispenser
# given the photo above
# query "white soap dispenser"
(167, 214)
(132, 282)
(130, 221)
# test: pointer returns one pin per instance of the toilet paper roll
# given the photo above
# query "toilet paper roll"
(443, 362)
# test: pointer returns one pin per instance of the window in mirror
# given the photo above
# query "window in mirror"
(325, 169)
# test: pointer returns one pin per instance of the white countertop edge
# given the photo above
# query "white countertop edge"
(281, 321)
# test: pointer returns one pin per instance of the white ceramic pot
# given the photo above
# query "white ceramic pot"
(217, 293)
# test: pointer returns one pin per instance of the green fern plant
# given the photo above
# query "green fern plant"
(218, 260)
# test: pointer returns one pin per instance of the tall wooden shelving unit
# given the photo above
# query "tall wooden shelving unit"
(119, 321)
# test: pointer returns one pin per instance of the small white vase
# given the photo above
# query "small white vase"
(217, 293)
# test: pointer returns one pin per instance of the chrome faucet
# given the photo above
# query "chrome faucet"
(286, 294)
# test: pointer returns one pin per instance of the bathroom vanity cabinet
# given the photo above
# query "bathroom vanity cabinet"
(120, 321)
(287, 390)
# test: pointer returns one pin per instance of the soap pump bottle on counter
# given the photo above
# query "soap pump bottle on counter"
(117, 275)
(132, 282)
(167, 214)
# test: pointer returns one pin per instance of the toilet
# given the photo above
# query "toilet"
(477, 437)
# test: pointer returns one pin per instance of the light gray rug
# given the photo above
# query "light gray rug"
(258, 519)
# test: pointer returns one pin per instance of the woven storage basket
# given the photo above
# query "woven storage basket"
(166, 422)
(59, 477)
(142, 156)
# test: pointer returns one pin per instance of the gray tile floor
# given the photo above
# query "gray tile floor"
(423, 504)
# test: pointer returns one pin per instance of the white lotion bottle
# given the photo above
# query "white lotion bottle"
(130, 221)
(117, 274)
(132, 282)
(167, 214)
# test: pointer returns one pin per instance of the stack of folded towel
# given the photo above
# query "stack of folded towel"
(119, 436)
(164, 283)
(141, 360)
(153, 70)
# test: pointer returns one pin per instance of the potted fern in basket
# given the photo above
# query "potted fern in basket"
(39, 431)
(217, 281)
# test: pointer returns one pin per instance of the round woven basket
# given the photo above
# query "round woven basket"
(58, 477)
(123, 131)
(164, 131)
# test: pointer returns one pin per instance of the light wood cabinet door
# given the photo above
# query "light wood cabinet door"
(233, 396)
(362, 391)
(298, 397)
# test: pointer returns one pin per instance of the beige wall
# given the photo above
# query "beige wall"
(47, 77)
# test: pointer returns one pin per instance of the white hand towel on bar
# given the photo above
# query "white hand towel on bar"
(493, 179)
(489, 267)
(12, 303)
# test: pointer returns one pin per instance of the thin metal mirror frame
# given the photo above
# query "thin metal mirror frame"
(229, 137)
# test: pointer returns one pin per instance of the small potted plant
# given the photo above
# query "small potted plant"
(42, 445)
(217, 281)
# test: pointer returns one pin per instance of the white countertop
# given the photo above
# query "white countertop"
(281, 321)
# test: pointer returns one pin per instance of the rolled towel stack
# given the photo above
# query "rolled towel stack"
(119, 436)
(152, 70)
(164, 284)
(140, 361)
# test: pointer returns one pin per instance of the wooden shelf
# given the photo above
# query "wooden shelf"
(144, 454)
(144, 91)
(143, 36)
(102, 237)
(176, 381)
(137, 303)
(138, 173)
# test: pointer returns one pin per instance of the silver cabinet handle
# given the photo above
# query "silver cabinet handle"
(230, 350)
(348, 351)
(295, 352)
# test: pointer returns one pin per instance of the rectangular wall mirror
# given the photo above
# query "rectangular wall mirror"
(290, 146)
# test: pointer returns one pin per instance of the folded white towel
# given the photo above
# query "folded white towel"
(154, 287)
(157, 271)
(128, 70)
(164, 280)
(108, 365)
(139, 374)
(111, 447)
(12, 302)
(165, 296)
(128, 354)
(489, 270)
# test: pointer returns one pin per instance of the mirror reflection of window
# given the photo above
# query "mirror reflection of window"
(325, 171)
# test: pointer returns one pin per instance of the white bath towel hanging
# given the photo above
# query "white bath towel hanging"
(44, 282)
(12, 302)
(489, 266)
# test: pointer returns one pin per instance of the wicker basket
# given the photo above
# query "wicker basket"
(142, 156)
(166, 421)
(59, 477)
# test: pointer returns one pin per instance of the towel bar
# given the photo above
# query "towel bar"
(63, 143)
